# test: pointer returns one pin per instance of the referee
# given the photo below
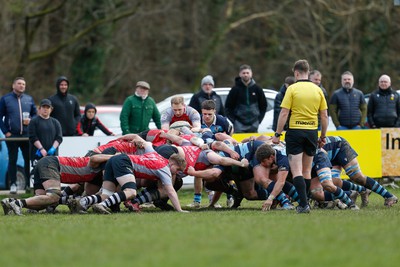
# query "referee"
(304, 101)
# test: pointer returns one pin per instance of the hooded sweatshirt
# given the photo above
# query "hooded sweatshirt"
(65, 109)
(88, 126)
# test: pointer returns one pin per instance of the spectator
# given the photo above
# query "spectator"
(45, 134)
(65, 107)
(180, 112)
(138, 110)
(246, 104)
(207, 93)
(89, 122)
(289, 80)
(384, 105)
(347, 107)
(16, 111)
(316, 77)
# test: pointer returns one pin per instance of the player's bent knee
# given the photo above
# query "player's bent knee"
(106, 192)
(317, 194)
(54, 194)
(352, 171)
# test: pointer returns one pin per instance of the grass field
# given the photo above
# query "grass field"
(243, 237)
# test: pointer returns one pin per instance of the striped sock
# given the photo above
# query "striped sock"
(377, 188)
(348, 186)
(282, 199)
(90, 200)
(290, 190)
(147, 196)
(197, 198)
(114, 199)
(340, 194)
(20, 202)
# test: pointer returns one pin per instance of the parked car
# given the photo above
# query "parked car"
(109, 116)
(4, 182)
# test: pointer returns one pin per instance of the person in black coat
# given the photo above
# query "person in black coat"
(289, 80)
(245, 104)
(383, 105)
(207, 93)
(65, 107)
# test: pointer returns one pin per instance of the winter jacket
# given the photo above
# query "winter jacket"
(348, 107)
(11, 109)
(245, 106)
(277, 106)
(198, 98)
(65, 109)
(383, 108)
(88, 126)
(136, 114)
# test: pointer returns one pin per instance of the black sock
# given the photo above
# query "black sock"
(262, 193)
(68, 191)
(300, 185)
(308, 185)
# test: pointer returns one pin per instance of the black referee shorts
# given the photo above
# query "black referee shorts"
(301, 141)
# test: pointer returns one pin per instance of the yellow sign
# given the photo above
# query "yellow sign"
(390, 143)
(367, 144)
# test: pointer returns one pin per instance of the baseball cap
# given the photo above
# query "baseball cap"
(143, 84)
(45, 102)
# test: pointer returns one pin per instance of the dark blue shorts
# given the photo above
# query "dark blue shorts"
(345, 155)
(320, 161)
(117, 166)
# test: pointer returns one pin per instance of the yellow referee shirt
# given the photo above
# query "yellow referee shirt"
(305, 100)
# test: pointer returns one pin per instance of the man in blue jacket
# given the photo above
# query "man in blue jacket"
(348, 108)
(16, 111)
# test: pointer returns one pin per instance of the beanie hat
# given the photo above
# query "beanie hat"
(207, 79)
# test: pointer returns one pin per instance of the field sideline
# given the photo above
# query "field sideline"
(243, 237)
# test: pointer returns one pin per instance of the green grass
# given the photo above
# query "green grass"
(243, 237)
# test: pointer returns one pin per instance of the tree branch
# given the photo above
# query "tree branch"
(77, 36)
(46, 11)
